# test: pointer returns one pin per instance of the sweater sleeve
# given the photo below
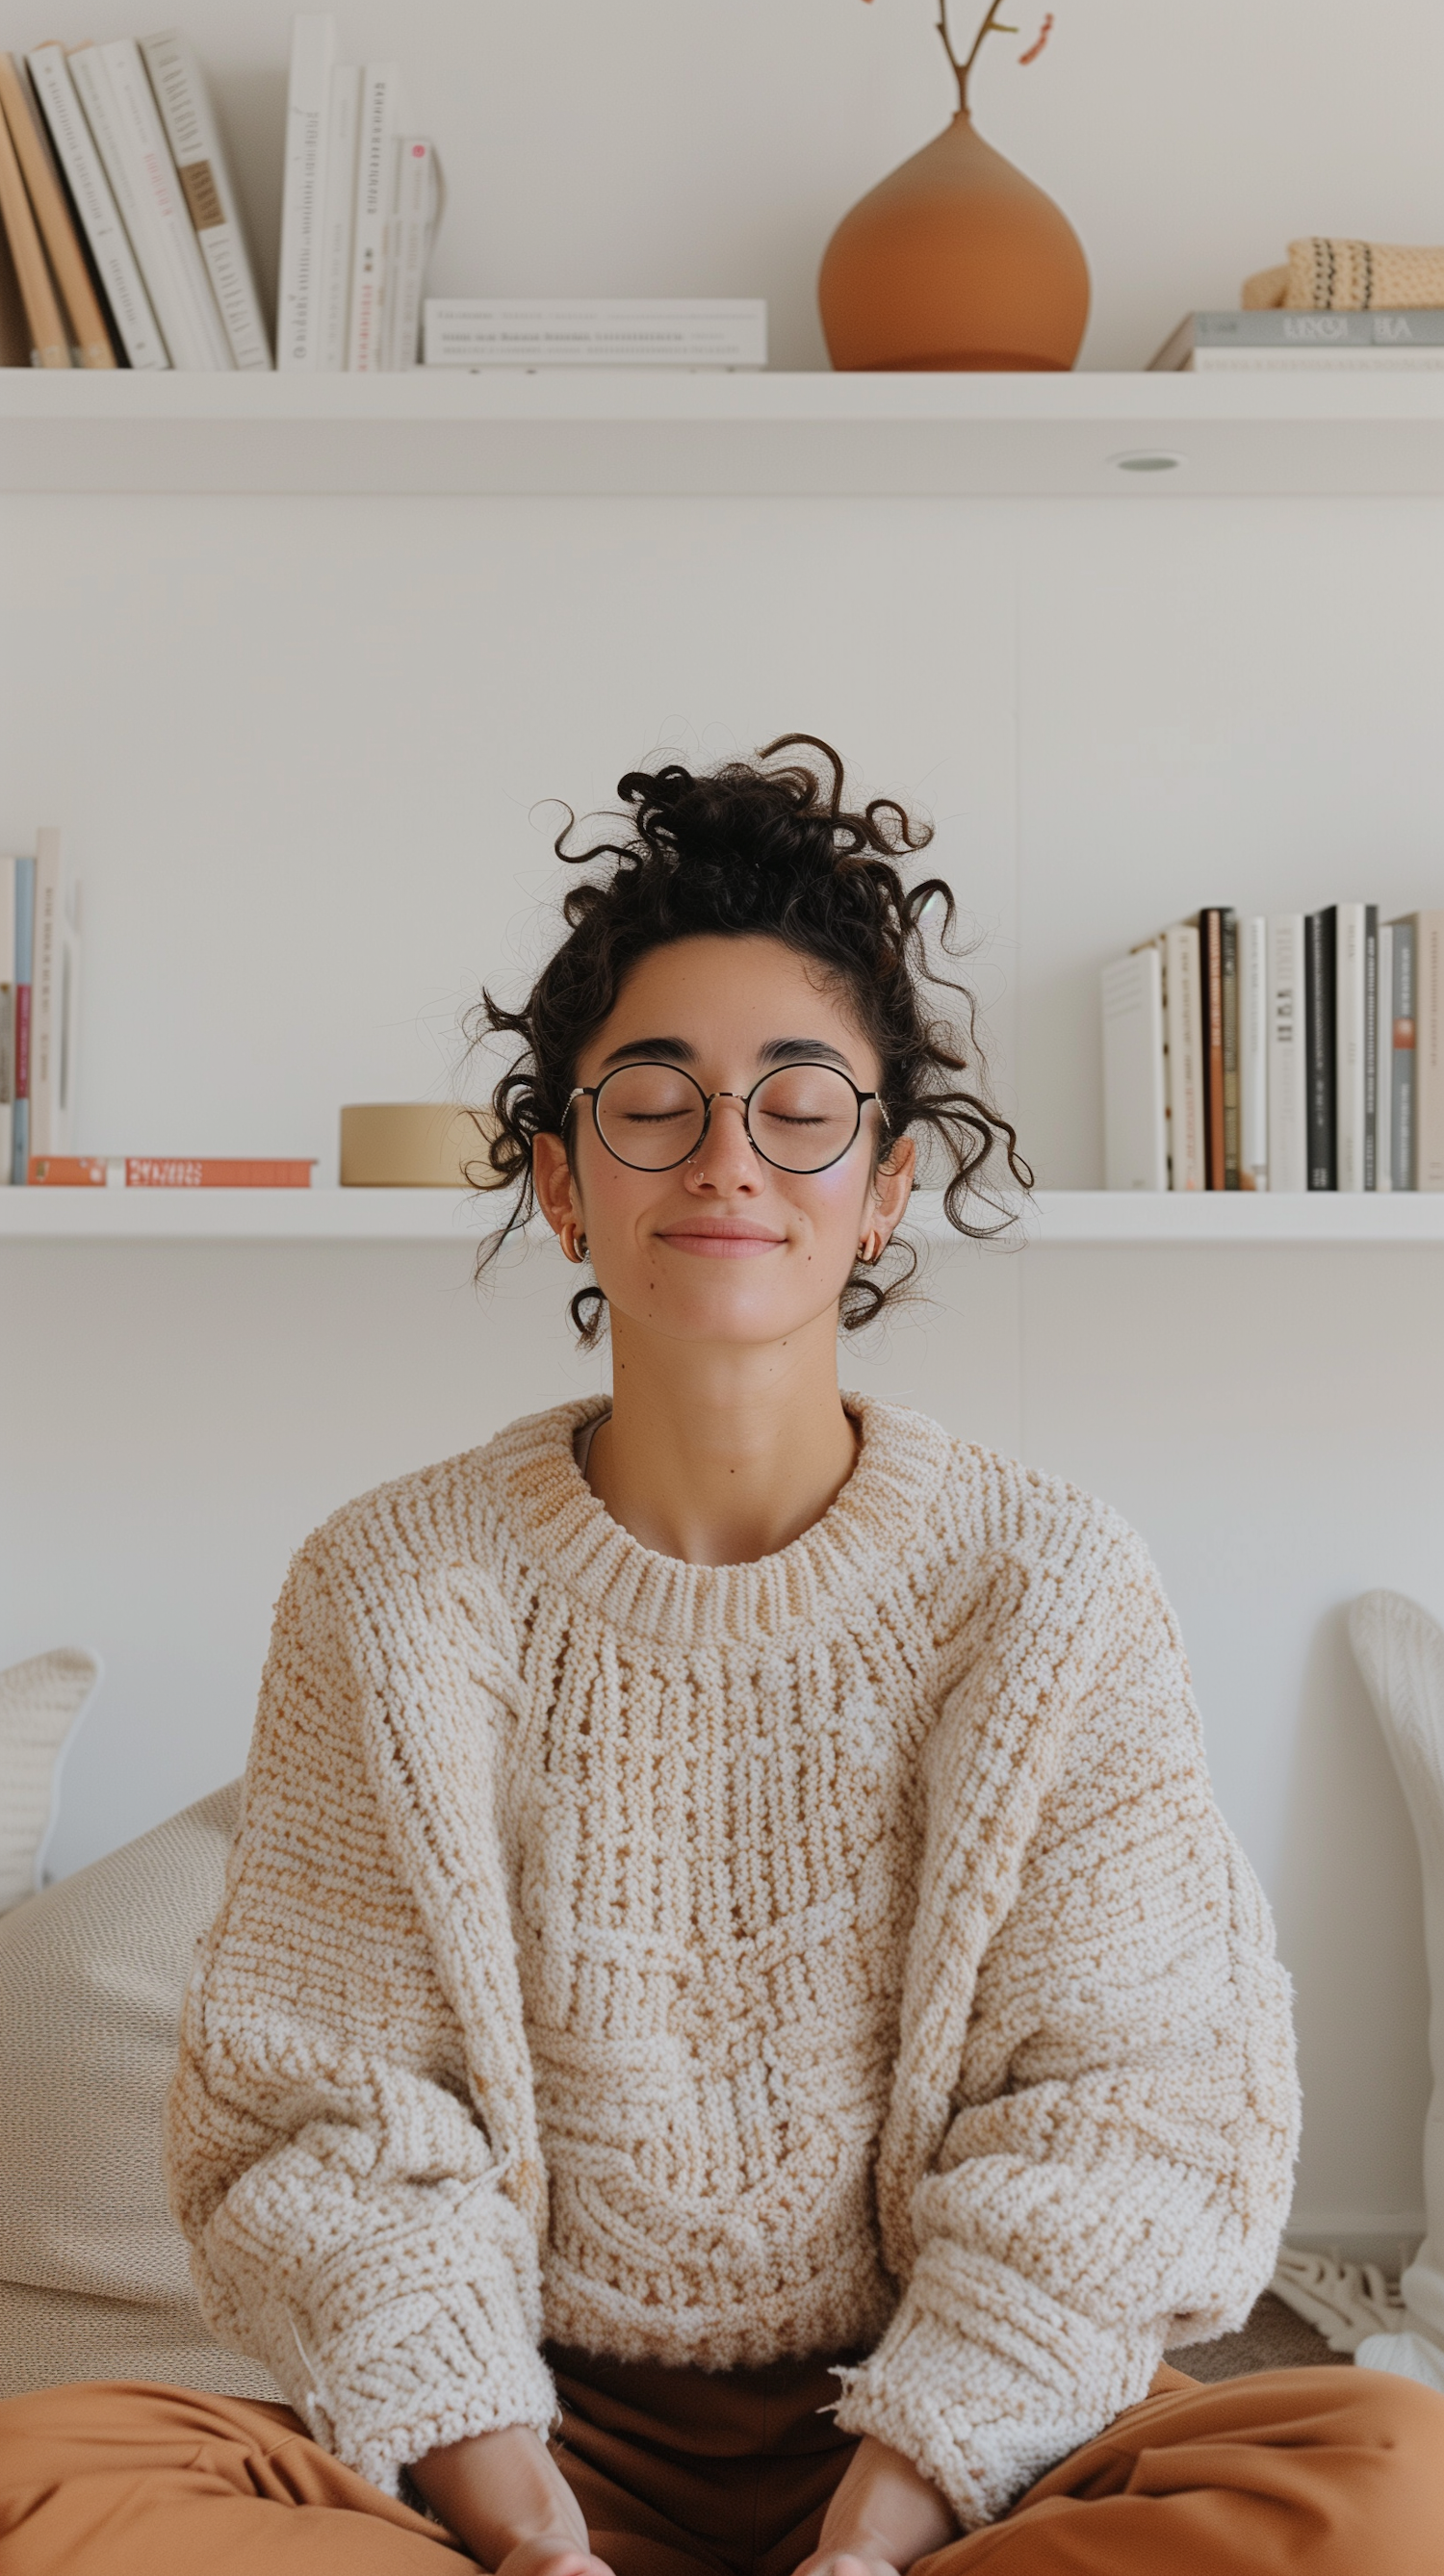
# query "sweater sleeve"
(1118, 2125)
(347, 2180)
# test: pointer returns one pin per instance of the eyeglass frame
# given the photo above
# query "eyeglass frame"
(592, 1091)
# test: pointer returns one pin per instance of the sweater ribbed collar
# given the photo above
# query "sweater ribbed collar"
(855, 1551)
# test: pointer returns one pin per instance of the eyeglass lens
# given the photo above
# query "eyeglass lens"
(800, 1118)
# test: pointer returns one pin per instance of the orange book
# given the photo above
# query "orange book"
(164, 1172)
(42, 313)
(87, 322)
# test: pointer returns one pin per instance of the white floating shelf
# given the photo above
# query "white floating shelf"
(637, 430)
(434, 1216)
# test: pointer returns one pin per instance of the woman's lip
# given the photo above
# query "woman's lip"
(720, 1242)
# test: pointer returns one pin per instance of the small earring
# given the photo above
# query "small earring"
(869, 1251)
(573, 1241)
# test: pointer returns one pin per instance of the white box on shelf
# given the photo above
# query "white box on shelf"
(595, 331)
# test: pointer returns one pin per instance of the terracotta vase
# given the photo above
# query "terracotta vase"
(956, 261)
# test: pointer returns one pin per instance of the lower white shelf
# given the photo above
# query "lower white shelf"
(435, 1216)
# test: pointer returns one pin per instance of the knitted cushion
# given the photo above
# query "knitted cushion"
(94, 2275)
(41, 1704)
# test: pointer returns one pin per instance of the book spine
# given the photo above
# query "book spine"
(7, 1021)
(75, 1172)
(208, 1172)
(1183, 989)
(45, 994)
(24, 961)
(1320, 949)
(308, 109)
(195, 145)
(182, 288)
(1349, 1046)
(115, 262)
(1429, 1051)
(1371, 1045)
(1135, 1152)
(1228, 953)
(1384, 1058)
(52, 214)
(1253, 1106)
(49, 344)
(413, 224)
(374, 171)
(1403, 1055)
(1287, 1044)
(1210, 945)
(340, 216)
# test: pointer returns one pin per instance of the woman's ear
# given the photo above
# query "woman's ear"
(892, 1185)
(552, 1181)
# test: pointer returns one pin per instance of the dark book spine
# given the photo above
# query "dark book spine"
(1210, 944)
(1320, 953)
(1402, 1057)
(1228, 952)
(1371, 1046)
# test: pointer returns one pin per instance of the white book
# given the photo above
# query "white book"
(596, 331)
(190, 127)
(1384, 1061)
(416, 211)
(1429, 1050)
(1349, 1036)
(1183, 1023)
(7, 1019)
(1135, 1148)
(106, 237)
(53, 1001)
(381, 122)
(339, 220)
(1288, 1062)
(116, 97)
(1253, 1053)
(299, 327)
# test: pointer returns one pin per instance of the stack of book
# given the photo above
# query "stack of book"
(1304, 342)
(363, 197)
(39, 1000)
(118, 214)
(1300, 1053)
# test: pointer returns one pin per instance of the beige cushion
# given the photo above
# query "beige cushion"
(94, 2277)
(41, 1704)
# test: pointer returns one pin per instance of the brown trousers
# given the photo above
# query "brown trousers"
(686, 2473)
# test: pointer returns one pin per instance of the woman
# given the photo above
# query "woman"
(736, 2034)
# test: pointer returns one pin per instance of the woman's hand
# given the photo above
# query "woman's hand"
(884, 2515)
(509, 2505)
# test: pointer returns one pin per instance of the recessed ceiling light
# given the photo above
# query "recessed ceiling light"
(1147, 460)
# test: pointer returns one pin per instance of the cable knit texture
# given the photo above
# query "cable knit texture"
(840, 1953)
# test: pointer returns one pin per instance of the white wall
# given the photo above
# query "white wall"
(295, 744)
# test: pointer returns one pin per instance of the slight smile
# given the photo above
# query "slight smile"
(721, 1238)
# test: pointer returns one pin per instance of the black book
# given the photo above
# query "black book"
(1228, 942)
(1320, 1007)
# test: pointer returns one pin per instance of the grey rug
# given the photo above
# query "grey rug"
(1273, 2339)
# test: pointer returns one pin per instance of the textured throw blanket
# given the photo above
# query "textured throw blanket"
(1328, 276)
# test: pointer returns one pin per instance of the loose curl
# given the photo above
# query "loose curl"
(748, 850)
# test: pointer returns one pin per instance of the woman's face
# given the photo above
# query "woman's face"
(724, 1246)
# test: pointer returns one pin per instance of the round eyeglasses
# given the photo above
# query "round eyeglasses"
(798, 1118)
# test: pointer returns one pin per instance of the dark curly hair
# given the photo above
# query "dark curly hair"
(748, 849)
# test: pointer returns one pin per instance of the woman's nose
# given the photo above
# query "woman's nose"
(725, 1159)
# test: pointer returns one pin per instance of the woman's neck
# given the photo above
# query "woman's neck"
(719, 1456)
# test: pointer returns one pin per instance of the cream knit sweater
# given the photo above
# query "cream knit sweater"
(840, 1953)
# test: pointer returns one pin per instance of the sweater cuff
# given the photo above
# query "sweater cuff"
(985, 2383)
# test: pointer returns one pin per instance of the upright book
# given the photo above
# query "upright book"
(45, 327)
(1288, 1117)
(1183, 1052)
(121, 111)
(1211, 940)
(1321, 994)
(54, 1001)
(415, 214)
(1253, 1026)
(339, 216)
(204, 175)
(1350, 1057)
(24, 960)
(1429, 1050)
(299, 311)
(94, 202)
(1384, 1058)
(7, 1022)
(1135, 1143)
(1403, 1057)
(381, 122)
(89, 332)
